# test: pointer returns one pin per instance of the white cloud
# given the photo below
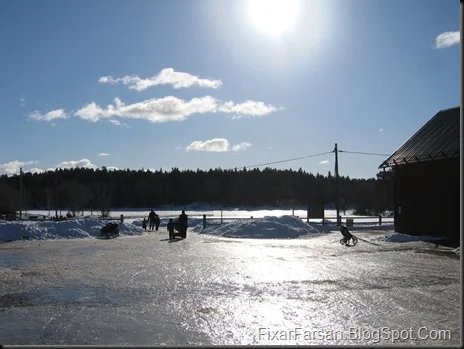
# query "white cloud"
(118, 123)
(112, 168)
(179, 147)
(380, 129)
(36, 170)
(12, 167)
(447, 39)
(241, 146)
(217, 145)
(103, 154)
(91, 112)
(171, 108)
(52, 115)
(84, 163)
(154, 110)
(324, 162)
(22, 102)
(165, 77)
(248, 108)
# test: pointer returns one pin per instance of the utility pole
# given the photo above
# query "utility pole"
(20, 193)
(336, 184)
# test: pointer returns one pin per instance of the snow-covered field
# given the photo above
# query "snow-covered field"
(261, 281)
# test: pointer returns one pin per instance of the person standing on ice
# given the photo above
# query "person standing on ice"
(151, 219)
(183, 218)
(157, 222)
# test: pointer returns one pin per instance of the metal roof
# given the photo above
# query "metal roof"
(437, 139)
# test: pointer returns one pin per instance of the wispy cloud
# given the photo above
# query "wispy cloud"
(22, 102)
(112, 168)
(447, 39)
(52, 115)
(118, 123)
(12, 167)
(324, 162)
(248, 108)
(103, 154)
(380, 129)
(240, 146)
(84, 163)
(171, 108)
(217, 145)
(165, 77)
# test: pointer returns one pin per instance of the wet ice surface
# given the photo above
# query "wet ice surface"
(145, 290)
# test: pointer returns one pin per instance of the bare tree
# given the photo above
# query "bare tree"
(48, 194)
(101, 198)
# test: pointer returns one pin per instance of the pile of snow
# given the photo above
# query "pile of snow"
(49, 230)
(284, 227)
(399, 237)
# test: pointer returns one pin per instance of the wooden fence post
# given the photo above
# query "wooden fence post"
(204, 221)
(380, 219)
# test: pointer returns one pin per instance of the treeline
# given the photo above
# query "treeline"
(82, 189)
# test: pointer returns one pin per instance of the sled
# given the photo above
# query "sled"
(181, 231)
(110, 231)
(347, 237)
(346, 241)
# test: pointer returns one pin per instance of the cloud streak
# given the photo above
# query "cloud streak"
(217, 145)
(83, 163)
(103, 154)
(324, 162)
(171, 108)
(12, 167)
(447, 39)
(52, 115)
(165, 77)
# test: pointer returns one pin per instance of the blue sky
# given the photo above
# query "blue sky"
(207, 84)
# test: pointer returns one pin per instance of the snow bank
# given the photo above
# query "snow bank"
(70, 229)
(284, 227)
(399, 237)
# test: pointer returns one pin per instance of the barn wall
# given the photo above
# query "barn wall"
(427, 198)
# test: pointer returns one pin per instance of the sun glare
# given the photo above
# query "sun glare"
(273, 17)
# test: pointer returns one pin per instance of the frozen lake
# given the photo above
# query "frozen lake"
(146, 290)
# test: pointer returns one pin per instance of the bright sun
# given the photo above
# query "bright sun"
(273, 17)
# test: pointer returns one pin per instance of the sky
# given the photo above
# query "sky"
(219, 83)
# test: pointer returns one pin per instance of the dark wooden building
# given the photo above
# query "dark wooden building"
(426, 178)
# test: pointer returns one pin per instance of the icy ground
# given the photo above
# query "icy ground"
(146, 290)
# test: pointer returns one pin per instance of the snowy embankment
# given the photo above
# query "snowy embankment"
(49, 230)
(284, 227)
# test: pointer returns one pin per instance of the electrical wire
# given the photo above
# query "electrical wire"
(362, 153)
(293, 159)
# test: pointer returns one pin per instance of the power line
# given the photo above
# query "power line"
(358, 152)
(280, 161)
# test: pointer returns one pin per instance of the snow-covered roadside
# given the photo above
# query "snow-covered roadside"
(48, 230)
(284, 227)
(269, 227)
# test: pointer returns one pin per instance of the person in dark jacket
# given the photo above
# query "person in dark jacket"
(183, 218)
(170, 226)
(144, 224)
(151, 219)
(157, 222)
(345, 232)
